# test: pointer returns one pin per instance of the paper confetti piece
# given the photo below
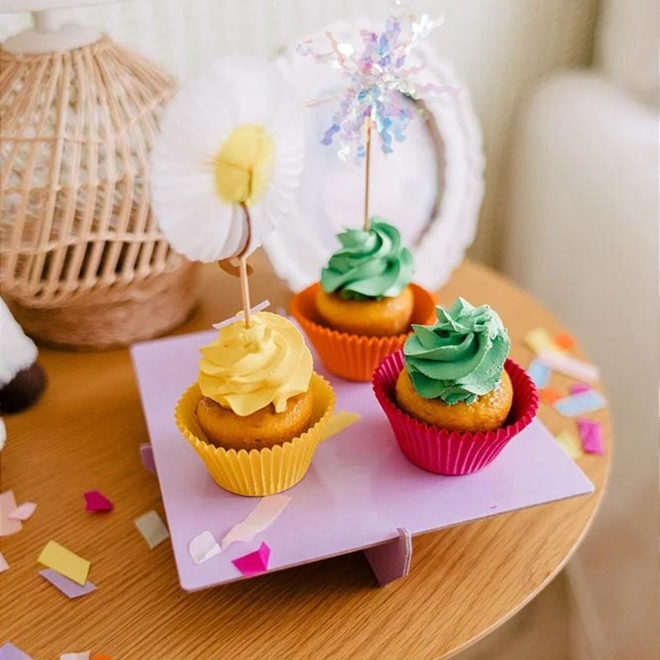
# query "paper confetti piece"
(540, 341)
(65, 562)
(75, 656)
(67, 587)
(147, 457)
(569, 443)
(549, 396)
(576, 404)
(253, 310)
(23, 512)
(341, 420)
(254, 562)
(10, 652)
(96, 501)
(101, 656)
(8, 506)
(152, 528)
(262, 516)
(4, 566)
(591, 435)
(569, 366)
(578, 388)
(203, 547)
(565, 341)
(539, 373)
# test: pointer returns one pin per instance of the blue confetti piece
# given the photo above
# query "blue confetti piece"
(577, 404)
(539, 373)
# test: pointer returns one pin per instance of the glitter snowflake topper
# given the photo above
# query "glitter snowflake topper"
(381, 79)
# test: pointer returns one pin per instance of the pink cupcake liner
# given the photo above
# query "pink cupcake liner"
(450, 452)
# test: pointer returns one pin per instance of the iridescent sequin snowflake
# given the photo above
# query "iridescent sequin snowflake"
(380, 80)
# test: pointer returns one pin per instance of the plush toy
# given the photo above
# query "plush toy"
(22, 380)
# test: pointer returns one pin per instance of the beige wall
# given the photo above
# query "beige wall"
(499, 48)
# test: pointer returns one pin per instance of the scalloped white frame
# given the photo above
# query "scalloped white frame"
(303, 241)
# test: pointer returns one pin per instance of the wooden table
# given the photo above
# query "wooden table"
(84, 435)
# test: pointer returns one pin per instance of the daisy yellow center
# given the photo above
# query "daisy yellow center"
(243, 163)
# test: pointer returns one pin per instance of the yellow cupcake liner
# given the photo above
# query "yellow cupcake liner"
(258, 472)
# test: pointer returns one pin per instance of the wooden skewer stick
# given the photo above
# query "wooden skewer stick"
(367, 146)
(243, 267)
(244, 270)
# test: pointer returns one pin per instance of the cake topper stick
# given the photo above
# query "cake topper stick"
(367, 167)
(242, 264)
(244, 270)
(227, 163)
(381, 81)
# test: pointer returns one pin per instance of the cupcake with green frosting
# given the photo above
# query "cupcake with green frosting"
(362, 308)
(452, 395)
(454, 370)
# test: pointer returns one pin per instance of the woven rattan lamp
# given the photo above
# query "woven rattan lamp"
(82, 263)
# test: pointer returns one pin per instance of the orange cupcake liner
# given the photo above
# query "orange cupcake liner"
(258, 472)
(349, 356)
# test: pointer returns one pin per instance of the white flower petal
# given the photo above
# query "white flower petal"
(233, 92)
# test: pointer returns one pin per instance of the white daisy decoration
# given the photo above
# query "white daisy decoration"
(228, 160)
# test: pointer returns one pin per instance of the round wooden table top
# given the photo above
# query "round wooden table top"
(84, 435)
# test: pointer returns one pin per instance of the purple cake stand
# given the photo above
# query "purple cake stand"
(359, 494)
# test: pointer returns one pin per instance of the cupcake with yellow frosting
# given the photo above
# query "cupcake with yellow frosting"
(362, 308)
(258, 411)
(453, 397)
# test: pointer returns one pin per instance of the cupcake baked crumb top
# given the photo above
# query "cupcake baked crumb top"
(454, 375)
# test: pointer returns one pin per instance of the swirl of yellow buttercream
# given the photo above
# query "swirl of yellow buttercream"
(246, 369)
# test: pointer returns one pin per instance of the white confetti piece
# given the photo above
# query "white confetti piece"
(75, 656)
(152, 528)
(4, 566)
(203, 547)
(23, 512)
(261, 517)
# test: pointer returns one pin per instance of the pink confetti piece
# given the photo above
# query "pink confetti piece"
(147, 457)
(65, 585)
(4, 566)
(253, 563)
(97, 502)
(569, 366)
(75, 656)
(8, 506)
(10, 652)
(591, 435)
(23, 512)
(578, 388)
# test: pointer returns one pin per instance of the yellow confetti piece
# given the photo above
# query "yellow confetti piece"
(341, 420)
(568, 441)
(540, 341)
(65, 562)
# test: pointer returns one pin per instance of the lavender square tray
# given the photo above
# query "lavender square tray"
(358, 492)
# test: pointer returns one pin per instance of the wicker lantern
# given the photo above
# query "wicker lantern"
(82, 263)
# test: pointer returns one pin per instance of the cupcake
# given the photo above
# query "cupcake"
(453, 397)
(258, 410)
(362, 309)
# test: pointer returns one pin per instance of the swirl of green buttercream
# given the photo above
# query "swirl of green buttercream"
(370, 264)
(460, 357)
